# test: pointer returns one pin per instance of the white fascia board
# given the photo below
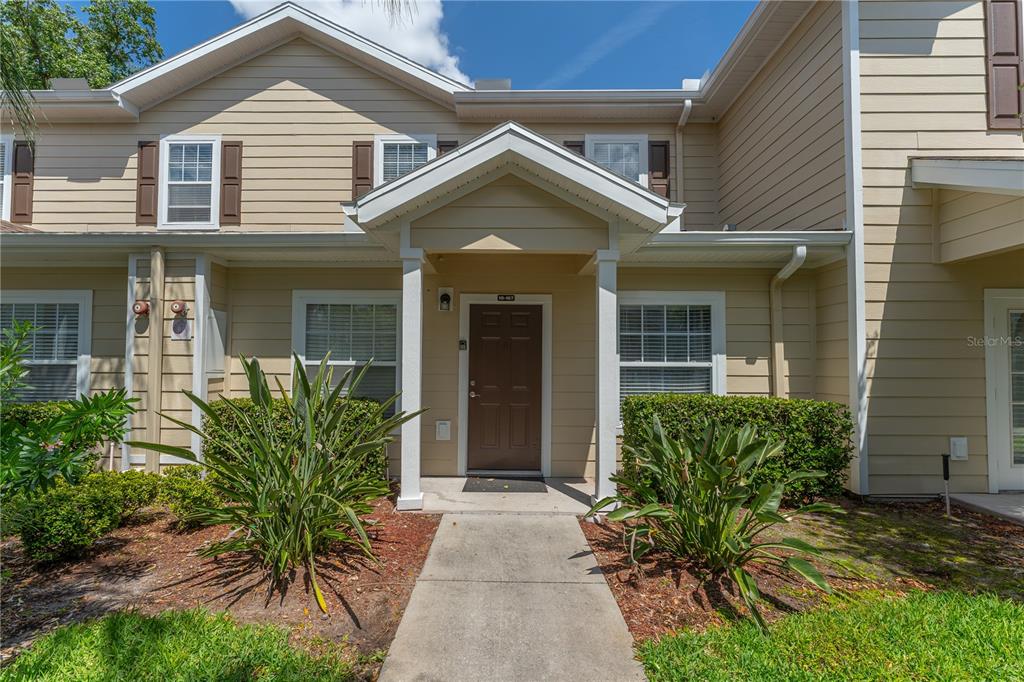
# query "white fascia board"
(510, 138)
(992, 176)
(306, 19)
(750, 238)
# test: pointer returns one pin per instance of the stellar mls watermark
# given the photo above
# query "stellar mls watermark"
(993, 341)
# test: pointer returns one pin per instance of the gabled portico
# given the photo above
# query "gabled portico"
(527, 235)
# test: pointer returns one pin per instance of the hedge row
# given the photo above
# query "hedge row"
(818, 434)
(359, 412)
(66, 520)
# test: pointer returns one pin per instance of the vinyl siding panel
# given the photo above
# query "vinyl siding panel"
(926, 382)
(780, 144)
(297, 109)
(972, 224)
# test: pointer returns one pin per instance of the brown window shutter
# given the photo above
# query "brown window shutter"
(1005, 63)
(146, 186)
(658, 167)
(231, 183)
(362, 168)
(443, 147)
(22, 180)
(575, 146)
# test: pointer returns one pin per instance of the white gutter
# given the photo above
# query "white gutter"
(777, 349)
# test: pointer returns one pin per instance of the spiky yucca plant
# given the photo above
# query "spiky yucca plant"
(699, 504)
(290, 495)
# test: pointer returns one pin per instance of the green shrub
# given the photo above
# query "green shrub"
(67, 519)
(358, 413)
(697, 500)
(185, 492)
(817, 434)
(43, 442)
(293, 487)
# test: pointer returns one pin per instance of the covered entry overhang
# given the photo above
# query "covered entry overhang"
(512, 149)
(977, 204)
(512, 192)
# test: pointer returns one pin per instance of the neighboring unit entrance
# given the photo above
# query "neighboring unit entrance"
(505, 363)
(1004, 363)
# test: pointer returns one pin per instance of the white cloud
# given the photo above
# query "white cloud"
(417, 35)
(605, 44)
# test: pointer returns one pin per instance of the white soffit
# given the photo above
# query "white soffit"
(509, 147)
(988, 175)
(266, 31)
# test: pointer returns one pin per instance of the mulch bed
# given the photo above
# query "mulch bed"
(896, 547)
(151, 566)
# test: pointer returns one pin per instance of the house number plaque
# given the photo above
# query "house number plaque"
(506, 297)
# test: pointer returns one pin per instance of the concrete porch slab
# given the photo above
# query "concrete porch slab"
(443, 494)
(1009, 506)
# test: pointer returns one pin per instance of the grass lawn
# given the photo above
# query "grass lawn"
(175, 645)
(873, 636)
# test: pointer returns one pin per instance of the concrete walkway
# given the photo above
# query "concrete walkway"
(1009, 506)
(511, 597)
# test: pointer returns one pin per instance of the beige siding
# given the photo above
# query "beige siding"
(109, 296)
(510, 214)
(179, 284)
(296, 108)
(747, 320)
(832, 331)
(700, 176)
(972, 224)
(780, 144)
(924, 97)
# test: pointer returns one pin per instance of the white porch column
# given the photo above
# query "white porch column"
(409, 495)
(607, 371)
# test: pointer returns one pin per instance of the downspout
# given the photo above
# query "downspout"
(683, 118)
(778, 355)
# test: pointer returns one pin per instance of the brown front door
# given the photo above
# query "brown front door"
(505, 359)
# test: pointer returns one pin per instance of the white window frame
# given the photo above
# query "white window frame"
(641, 139)
(714, 299)
(379, 141)
(83, 297)
(215, 181)
(303, 297)
(8, 142)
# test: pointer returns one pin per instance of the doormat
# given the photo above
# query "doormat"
(488, 484)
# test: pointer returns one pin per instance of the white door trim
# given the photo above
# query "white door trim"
(544, 300)
(998, 303)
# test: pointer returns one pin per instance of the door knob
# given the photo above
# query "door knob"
(473, 394)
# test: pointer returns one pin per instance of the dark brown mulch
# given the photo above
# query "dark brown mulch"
(892, 546)
(151, 566)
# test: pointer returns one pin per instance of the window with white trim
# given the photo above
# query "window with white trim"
(671, 343)
(353, 328)
(625, 155)
(6, 161)
(397, 155)
(58, 346)
(190, 181)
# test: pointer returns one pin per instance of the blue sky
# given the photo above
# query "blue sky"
(536, 44)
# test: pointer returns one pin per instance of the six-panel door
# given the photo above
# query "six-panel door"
(505, 363)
